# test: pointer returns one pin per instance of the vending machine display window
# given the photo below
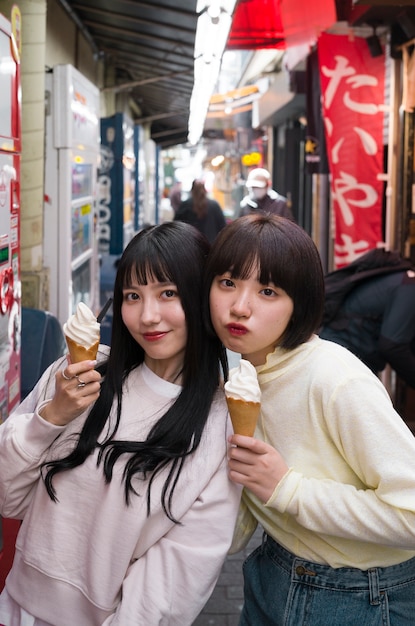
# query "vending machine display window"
(82, 218)
(71, 160)
(81, 281)
(82, 184)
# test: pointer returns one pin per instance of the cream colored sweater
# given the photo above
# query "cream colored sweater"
(349, 496)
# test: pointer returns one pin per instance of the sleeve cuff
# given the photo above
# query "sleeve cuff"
(283, 494)
(38, 433)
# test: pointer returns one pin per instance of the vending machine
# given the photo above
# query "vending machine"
(10, 285)
(116, 184)
(117, 181)
(71, 212)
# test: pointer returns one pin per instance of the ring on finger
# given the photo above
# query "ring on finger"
(80, 381)
(65, 376)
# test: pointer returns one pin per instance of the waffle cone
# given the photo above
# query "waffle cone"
(81, 353)
(244, 415)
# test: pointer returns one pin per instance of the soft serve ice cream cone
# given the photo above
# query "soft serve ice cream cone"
(243, 397)
(82, 333)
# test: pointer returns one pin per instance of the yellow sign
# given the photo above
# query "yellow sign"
(253, 158)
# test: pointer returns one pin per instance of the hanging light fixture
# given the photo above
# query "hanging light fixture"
(212, 32)
(375, 47)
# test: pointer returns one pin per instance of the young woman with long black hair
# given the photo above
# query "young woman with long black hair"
(122, 483)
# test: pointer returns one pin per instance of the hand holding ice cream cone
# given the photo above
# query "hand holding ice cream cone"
(82, 333)
(243, 396)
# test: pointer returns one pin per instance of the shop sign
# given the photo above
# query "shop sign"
(252, 159)
(352, 85)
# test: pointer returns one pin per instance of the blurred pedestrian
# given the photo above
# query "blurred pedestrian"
(202, 212)
(118, 469)
(262, 197)
(176, 195)
(166, 209)
(376, 321)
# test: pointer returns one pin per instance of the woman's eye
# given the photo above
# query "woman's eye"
(226, 282)
(268, 292)
(170, 293)
(131, 296)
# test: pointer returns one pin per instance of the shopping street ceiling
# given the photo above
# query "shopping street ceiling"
(151, 46)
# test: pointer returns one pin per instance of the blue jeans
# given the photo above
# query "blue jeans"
(281, 589)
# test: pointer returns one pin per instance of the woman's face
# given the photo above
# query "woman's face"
(154, 316)
(249, 318)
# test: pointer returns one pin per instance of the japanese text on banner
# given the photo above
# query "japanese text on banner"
(353, 93)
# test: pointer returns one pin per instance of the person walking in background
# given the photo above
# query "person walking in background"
(121, 481)
(262, 197)
(202, 212)
(376, 321)
(176, 195)
(329, 473)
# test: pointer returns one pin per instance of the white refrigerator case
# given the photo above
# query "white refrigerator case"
(70, 225)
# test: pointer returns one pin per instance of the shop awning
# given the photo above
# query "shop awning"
(149, 47)
(278, 103)
(279, 23)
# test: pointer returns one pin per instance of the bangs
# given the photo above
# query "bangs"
(149, 265)
(279, 251)
(248, 251)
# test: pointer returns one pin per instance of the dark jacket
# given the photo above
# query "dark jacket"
(381, 324)
(209, 225)
(273, 202)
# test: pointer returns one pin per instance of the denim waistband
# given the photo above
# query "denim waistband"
(347, 577)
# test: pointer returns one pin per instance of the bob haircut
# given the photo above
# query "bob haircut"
(285, 255)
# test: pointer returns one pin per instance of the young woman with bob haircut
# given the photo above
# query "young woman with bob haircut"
(329, 473)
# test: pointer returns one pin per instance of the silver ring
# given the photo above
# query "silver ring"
(81, 384)
(65, 376)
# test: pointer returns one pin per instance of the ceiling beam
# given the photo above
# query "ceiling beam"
(135, 35)
(130, 18)
(144, 81)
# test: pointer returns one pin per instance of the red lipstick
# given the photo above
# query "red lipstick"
(154, 336)
(236, 329)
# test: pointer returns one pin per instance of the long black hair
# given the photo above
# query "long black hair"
(285, 255)
(173, 252)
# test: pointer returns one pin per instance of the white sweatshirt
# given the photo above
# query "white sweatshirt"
(348, 499)
(91, 560)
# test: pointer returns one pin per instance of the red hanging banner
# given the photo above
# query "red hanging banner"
(353, 93)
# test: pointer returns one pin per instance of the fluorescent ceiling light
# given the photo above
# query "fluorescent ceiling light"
(212, 32)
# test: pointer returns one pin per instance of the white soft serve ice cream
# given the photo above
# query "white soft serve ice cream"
(82, 327)
(243, 383)
(243, 397)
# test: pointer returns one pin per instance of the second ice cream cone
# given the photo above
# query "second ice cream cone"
(244, 415)
(81, 353)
